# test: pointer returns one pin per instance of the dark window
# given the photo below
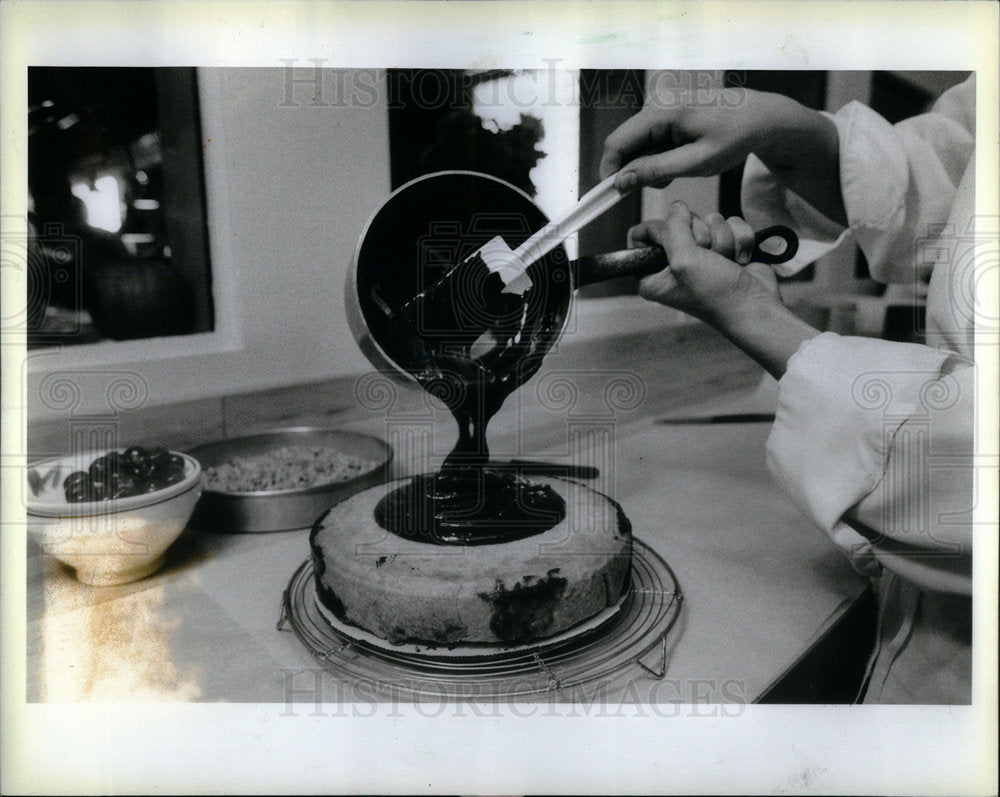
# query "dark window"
(117, 243)
(436, 124)
(607, 98)
(433, 127)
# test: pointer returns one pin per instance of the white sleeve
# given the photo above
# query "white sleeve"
(871, 440)
(897, 181)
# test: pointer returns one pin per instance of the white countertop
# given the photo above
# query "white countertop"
(760, 583)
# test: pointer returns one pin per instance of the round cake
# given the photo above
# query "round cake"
(406, 589)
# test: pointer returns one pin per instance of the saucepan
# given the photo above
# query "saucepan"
(430, 224)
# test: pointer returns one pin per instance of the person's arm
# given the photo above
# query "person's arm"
(800, 147)
(768, 331)
(898, 183)
(873, 441)
(676, 137)
(857, 418)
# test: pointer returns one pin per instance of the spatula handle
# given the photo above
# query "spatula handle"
(591, 205)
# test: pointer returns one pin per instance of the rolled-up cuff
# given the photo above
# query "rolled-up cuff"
(766, 201)
(874, 179)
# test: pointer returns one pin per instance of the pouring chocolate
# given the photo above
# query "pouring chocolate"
(470, 334)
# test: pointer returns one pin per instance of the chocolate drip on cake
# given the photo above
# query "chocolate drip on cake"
(526, 611)
(470, 506)
(471, 358)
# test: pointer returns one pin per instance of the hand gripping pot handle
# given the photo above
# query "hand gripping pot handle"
(648, 260)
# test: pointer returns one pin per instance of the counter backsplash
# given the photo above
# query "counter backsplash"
(679, 366)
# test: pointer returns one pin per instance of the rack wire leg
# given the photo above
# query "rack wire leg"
(661, 668)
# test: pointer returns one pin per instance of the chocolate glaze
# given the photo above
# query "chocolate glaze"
(465, 342)
(468, 502)
(470, 506)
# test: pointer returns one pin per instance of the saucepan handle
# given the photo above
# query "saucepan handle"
(781, 245)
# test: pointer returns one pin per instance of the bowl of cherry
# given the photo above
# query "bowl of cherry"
(111, 515)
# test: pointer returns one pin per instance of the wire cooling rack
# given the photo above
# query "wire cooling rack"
(634, 636)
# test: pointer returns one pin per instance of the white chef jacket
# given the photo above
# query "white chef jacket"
(874, 439)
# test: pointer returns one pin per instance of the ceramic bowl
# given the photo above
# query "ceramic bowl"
(114, 541)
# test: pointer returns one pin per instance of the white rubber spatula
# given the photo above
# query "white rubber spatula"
(495, 257)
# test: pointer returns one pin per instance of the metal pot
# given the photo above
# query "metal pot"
(428, 225)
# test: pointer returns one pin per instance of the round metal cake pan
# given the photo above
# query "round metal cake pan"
(283, 510)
